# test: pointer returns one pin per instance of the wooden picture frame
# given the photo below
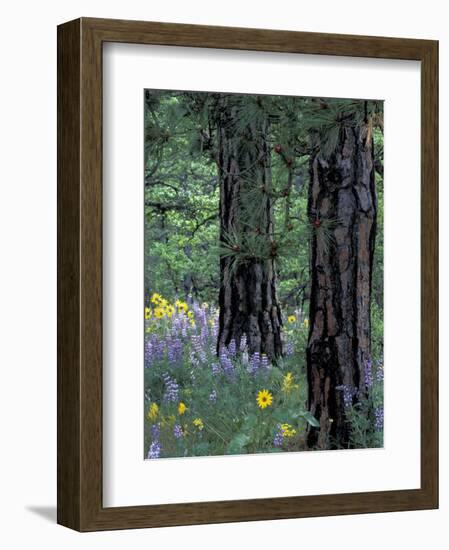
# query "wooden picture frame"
(80, 503)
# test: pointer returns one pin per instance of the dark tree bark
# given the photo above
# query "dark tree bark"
(248, 301)
(342, 211)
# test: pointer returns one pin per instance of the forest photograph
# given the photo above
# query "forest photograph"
(263, 274)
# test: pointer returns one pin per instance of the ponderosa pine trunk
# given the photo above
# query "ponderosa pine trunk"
(248, 301)
(342, 211)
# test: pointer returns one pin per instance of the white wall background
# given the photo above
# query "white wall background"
(28, 272)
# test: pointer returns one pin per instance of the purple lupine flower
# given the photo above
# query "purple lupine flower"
(177, 431)
(215, 369)
(196, 343)
(193, 358)
(155, 431)
(232, 348)
(226, 362)
(198, 347)
(204, 333)
(290, 348)
(178, 348)
(264, 362)
(176, 325)
(201, 317)
(378, 418)
(213, 396)
(348, 395)
(379, 372)
(160, 349)
(243, 343)
(155, 449)
(170, 351)
(254, 362)
(368, 373)
(174, 349)
(171, 389)
(278, 437)
(214, 331)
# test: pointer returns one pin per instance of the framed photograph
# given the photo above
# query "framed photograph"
(247, 274)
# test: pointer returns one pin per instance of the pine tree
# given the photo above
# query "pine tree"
(248, 298)
(342, 213)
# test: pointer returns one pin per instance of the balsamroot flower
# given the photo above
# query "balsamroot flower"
(264, 399)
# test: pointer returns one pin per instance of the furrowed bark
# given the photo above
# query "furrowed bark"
(342, 211)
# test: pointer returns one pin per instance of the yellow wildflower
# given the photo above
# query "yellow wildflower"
(291, 318)
(159, 312)
(156, 298)
(169, 310)
(198, 423)
(264, 399)
(163, 302)
(181, 408)
(147, 313)
(192, 322)
(153, 411)
(182, 306)
(288, 430)
(190, 314)
(306, 323)
(287, 383)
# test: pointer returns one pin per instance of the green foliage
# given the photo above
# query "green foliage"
(377, 322)
(182, 195)
(366, 417)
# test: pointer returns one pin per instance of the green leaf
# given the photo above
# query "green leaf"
(202, 449)
(249, 422)
(311, 419)
(237, 443)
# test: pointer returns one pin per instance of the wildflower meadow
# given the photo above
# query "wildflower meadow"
(198, 403)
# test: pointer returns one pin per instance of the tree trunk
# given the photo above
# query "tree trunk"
(342, 211)
(248, 301)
